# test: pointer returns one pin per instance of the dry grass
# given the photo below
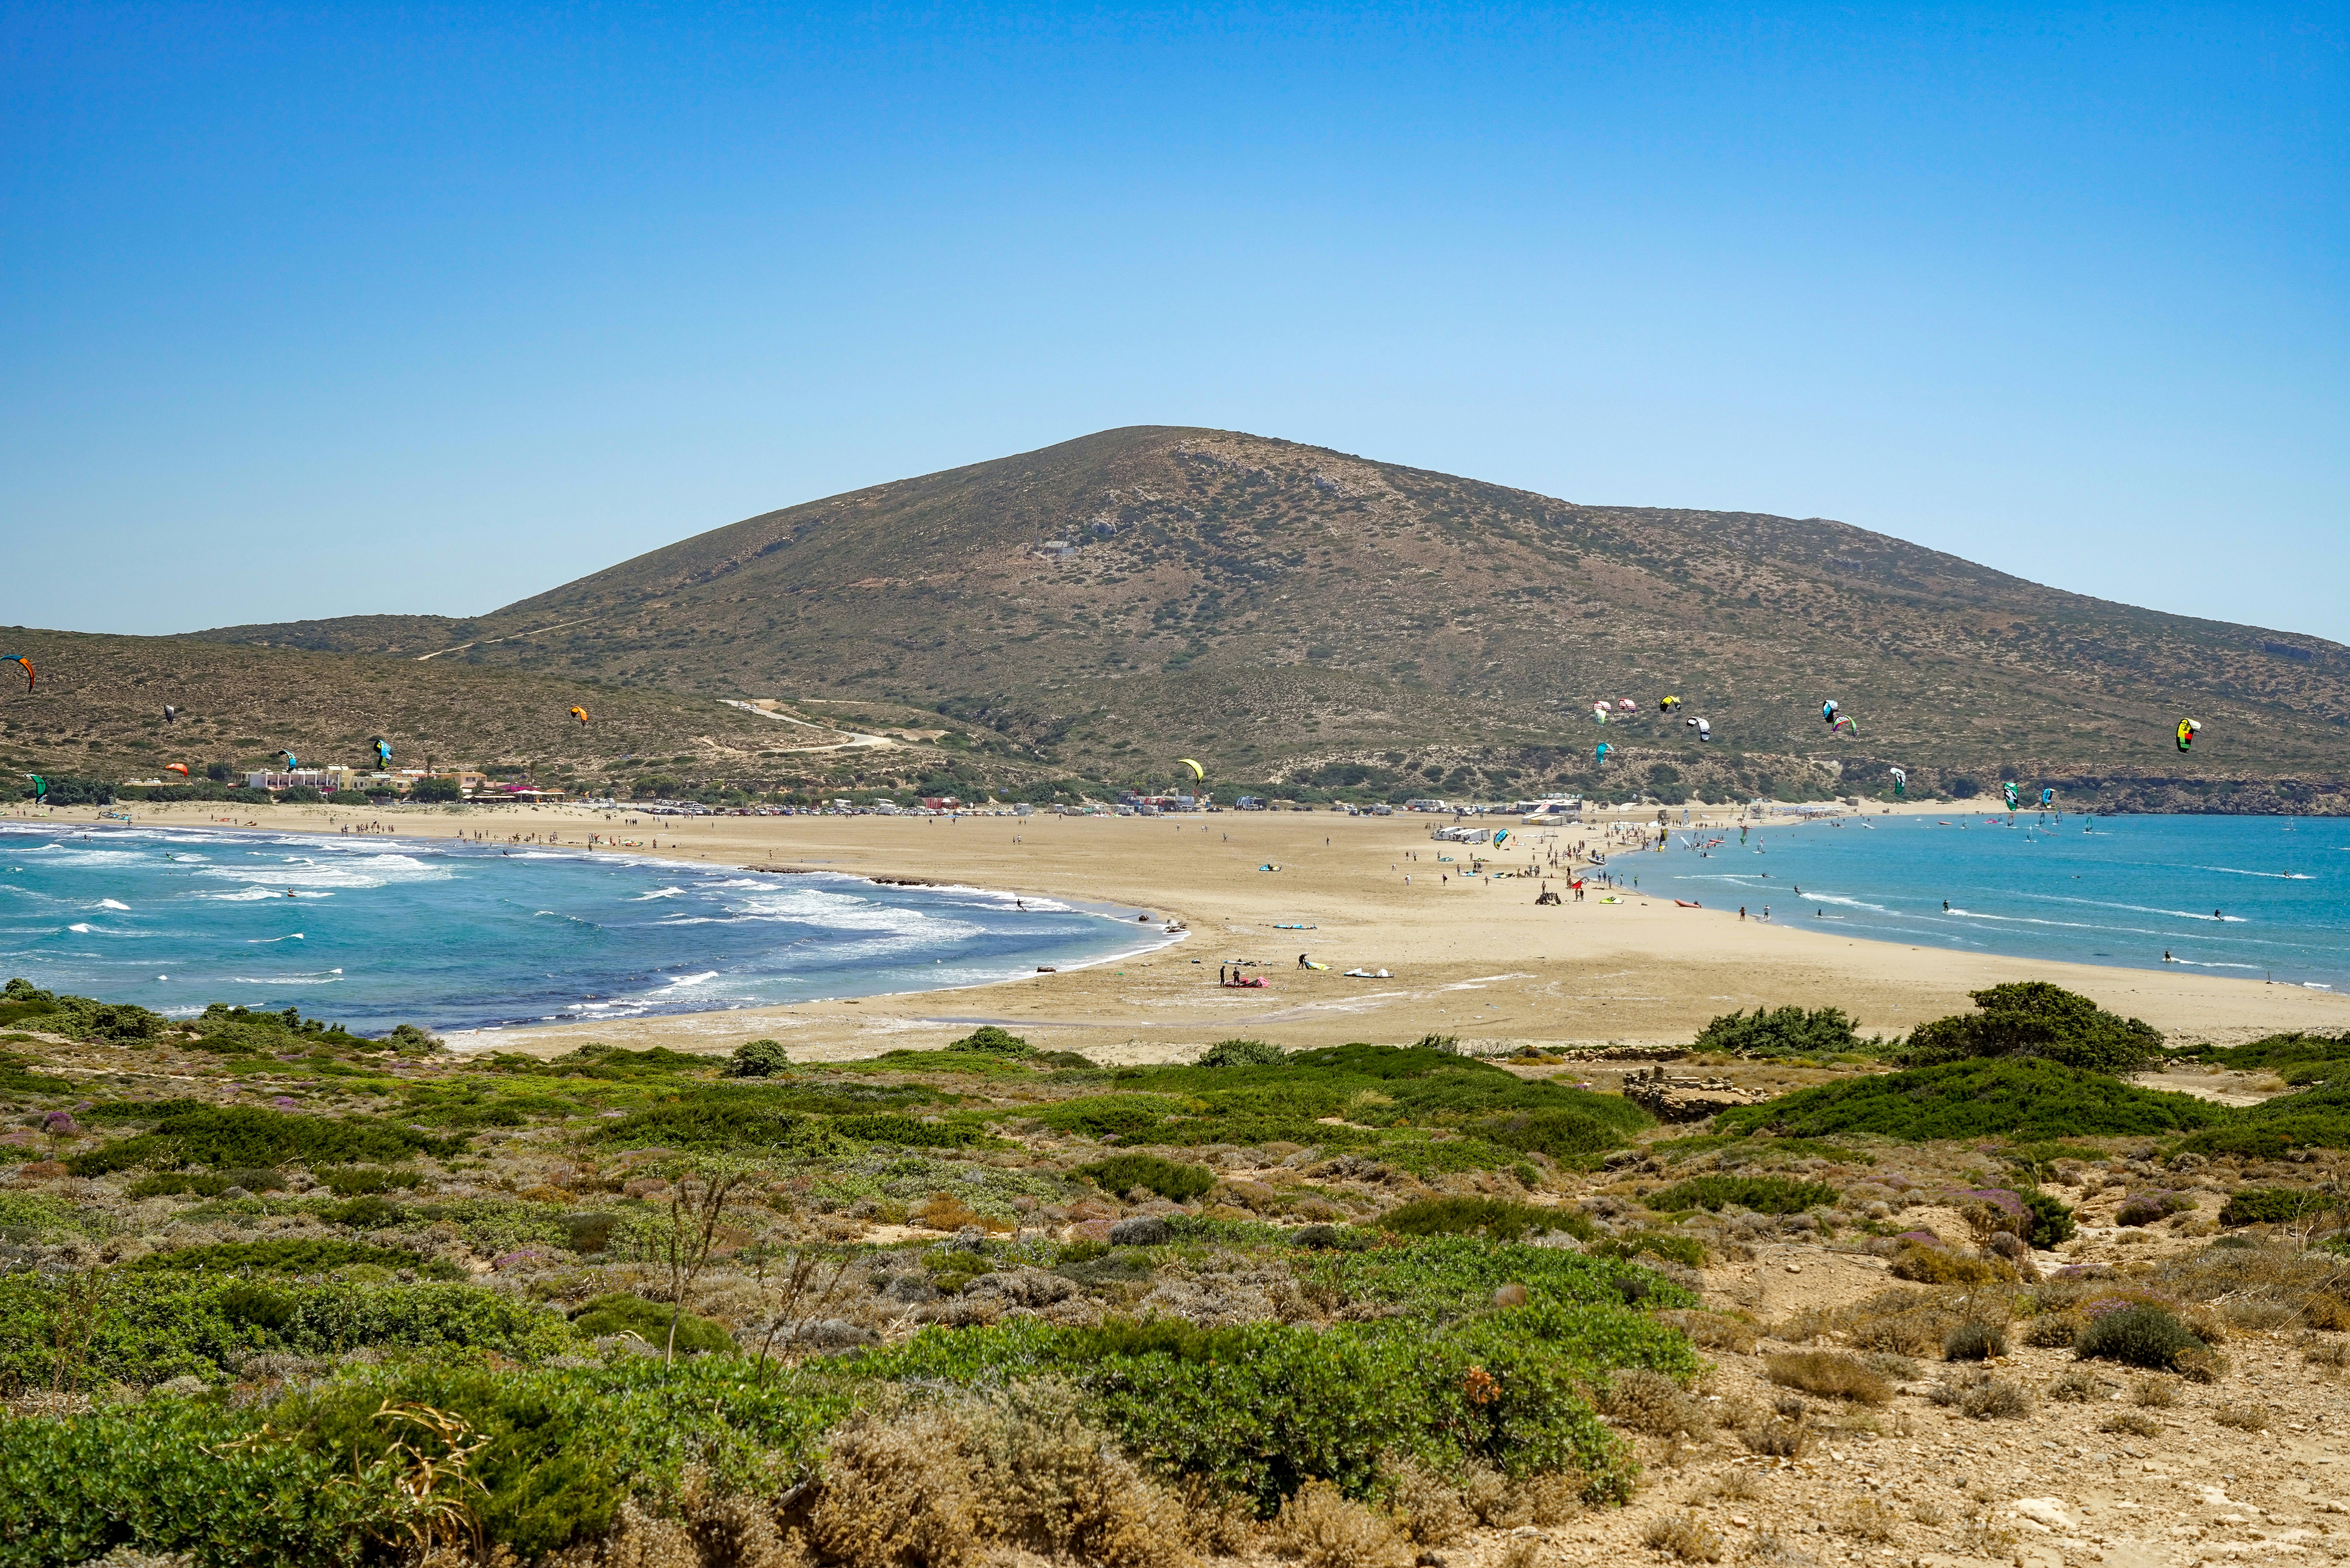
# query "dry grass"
(1779, 1440)
(1929, 1513)
(2052, 1330)
(1521, 1554)
(1425, 1507)
(2136, 1423)
(2244, 1417)
(944, 1212)
(1714, 1330)
(2154, 1393)
(1984, 1397)
(1653, 1402)
(1321, 1529)
(1825, 1373)
(943, 1486)
(2332, 1353)
(2077, 1384)
(1901, 1321)
(1869, 1520)
(1684, 1536)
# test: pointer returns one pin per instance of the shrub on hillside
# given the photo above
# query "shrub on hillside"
(1939, 1266)
(307, 1256)
(1241, 1054)
(1762, 1194)
(2033, 1018)
(2276, 1206)
(2309, 1118)
(2147, 1207)
(1783, 1032)
(757, 1059)
(987, 1040)
(223, 1136)
(621, 1312)
(1498, 1219)
(159, 1325)
(1122, 1173)
(2023, 1100)
(1974, 1341)
(1826, 1373)
(2146, 1335)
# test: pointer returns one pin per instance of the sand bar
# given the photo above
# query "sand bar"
(1478, 959)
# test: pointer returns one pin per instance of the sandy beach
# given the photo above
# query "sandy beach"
(1477, 960)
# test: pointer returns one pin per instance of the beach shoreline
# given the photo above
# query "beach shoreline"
(1480, 961)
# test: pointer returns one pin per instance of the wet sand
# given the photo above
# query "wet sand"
(1478, 959)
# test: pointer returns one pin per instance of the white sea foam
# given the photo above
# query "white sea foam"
(658, 893)
(298, 871)
(2135, 908)
(2279, 876)
(111, 904)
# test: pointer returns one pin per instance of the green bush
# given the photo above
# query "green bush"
(1241, 1054)
(2033, 1018)
(2149, 1336)
(1686, 1251)
(2023, 1100)
(743, 1120)
(2276, 1206)
(987, 1040)
(1497, 1218)
(1256, 1410)
(16, 1080)
(1785, 1031)
(2307, 1118)
(354, 1180)
(249, 1136)
(1561, 1134)
(164, 1477)
(567, 1447)
(311, 1256)
(78, 1017)
(621, 1312)
(349, 798)
(911, 1132)
(1125, 1172)
(2052, 1223)
(1974, 1342)
(154, 1326)
(299, 795)
(2276, 1051)
(757, 1059)
(1762, 1194)
(435, 792)
(1446, 1277)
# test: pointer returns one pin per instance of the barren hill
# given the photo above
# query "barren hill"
(98, 710)
(1279, 610)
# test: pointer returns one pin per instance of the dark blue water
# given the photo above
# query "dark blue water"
(375, 931)
(2252, 896)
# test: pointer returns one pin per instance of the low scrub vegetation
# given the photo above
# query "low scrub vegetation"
(2019, 1099)
(1762, 1194)
(1785, 1031)
(2035, 1019)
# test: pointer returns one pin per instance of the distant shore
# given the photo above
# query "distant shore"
(1484, 963)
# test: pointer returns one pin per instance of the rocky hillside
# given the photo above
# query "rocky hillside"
(1283, 612)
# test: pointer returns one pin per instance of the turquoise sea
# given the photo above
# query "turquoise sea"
(378, 930)
(2258, 897)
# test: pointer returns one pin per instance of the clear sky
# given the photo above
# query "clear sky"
(329, 309)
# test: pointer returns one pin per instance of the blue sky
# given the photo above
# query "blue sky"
(336, 309)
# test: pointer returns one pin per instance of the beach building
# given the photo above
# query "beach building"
(326, 781)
